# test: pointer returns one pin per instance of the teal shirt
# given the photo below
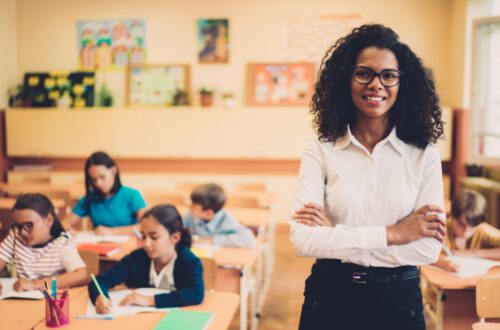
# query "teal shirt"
(115, 211)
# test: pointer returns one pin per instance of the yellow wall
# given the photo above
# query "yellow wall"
(8, 53)
(47, 32)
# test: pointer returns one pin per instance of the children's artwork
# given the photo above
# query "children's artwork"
(109, 44)
(158, 85)
(307, 38)
(113, 85)
(213, 40)
(61, 89)
(285, 84)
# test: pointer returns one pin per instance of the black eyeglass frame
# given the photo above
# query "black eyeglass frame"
(375, 74)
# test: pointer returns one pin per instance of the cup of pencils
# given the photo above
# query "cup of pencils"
(56, 308)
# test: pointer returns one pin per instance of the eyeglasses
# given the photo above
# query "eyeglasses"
(364, 75)
(26, 226)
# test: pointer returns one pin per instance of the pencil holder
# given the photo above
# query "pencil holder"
(57, 311)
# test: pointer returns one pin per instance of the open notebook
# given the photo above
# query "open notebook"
(469, 267)
(8, 291)
(90, 237)
(117, 310)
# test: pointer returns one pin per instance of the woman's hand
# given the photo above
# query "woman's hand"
(312, 215)
(102, 305)
(103, 230)
(448, 265)
(138, 299)
(424, 222)
(23, 284)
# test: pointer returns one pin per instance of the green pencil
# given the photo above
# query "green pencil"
(98, 286)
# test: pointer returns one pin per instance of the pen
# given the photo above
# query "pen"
(54, 287)
(98, 286)
(447, 251)
(95, 317)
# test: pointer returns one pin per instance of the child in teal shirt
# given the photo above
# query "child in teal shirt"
(112, 207)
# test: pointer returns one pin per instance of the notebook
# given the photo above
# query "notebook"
(182, 319)
(8, 291)
(117, 310)
(469, 267)
(204, 250)
(102, 249)
(91, 237)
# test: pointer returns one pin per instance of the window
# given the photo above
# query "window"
(486, 89)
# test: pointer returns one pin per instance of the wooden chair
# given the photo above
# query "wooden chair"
(487, 302)
(251, 187)
(242, 201)
(91, 259)
(209, 269)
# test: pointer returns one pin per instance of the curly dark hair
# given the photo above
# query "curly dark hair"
(416, 113)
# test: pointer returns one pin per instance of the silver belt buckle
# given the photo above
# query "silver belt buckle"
(359, 278)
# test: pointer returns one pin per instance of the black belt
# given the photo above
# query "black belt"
(363, 275)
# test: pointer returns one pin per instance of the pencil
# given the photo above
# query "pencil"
(447, 251)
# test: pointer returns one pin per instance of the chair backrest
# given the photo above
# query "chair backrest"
(251, 187)
(91, 259)
(242, 201)
(6, 219)
(488, 297)
(209, 269)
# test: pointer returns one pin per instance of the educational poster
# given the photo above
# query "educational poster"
(60, 89)
(158, 85)
(213, 40)
(111, 44)
(285, 84)
(308, 38)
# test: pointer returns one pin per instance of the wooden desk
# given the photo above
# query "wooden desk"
(450, 301)
(25, 314)
(486, 326)
(125, 248)
(7, 203)
(223, 304)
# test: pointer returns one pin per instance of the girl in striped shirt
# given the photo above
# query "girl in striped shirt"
(40, 248)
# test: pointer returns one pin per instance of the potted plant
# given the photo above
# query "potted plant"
(206, 97)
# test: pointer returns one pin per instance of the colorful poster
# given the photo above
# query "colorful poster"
(111, 44)
(280, 83)
(213, 40)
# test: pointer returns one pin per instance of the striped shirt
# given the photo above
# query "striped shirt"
(58, 256)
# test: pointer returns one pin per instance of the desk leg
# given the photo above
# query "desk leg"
(243, 297)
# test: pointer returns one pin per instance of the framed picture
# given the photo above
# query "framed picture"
(158, 85)
(213, 40)
(281, 84)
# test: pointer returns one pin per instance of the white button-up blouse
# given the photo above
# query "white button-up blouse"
(362, 194)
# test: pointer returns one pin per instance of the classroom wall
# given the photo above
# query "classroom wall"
(8, 55)
(47, 32)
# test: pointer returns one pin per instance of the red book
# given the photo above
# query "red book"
(102, 249)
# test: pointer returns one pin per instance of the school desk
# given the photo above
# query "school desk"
(449, 300)
(25, 314)
(486, 326)
(222, 304)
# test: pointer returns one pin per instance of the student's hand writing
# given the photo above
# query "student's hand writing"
(138, 299)
(102, 305)
(448, 265)
(23, 284)
(103, 230)
(312, 215)
(424, 222)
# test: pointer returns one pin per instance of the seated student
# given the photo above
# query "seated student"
(40, 248)
(467, 233)
(208, 220)
(112, 207)
(164, 262)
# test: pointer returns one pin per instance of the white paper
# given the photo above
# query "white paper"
(91, 237)
(469, 267)
(8, 291)
(117, 310)
(205, 250)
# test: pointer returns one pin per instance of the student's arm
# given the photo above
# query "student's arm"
(2, 266)
(191, 294)
(445, 263)
(75, 278)
(114, 276)
(76, 215)
(480, 253)
(232, 233)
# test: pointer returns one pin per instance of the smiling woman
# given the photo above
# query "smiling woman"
(369, 203)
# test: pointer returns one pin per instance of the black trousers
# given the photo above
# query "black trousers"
(334, 301)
